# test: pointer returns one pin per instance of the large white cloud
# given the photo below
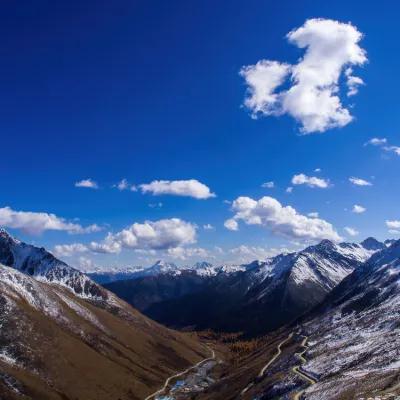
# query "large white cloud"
(331, 48)
(282, 221)
(160, 235)
(34, 223)
(87, 183)
(310, 181)
(191, 188)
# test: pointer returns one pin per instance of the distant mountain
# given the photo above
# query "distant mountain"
(373, 244)
(263, 295)
(103, 276)
(62, 336)
(389, 242)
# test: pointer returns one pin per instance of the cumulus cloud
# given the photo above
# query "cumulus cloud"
(351, 231)
(310, 181)
(208, 227)
(331, 48)
(358, 209)
(87, 183)
(85, 263)
(375, 142)
(67, 250)
(393, 224)
(313, 215)
(34, 223)
(359, 182)
(190, 188)
(182, 253)
(289, 189)
(160, 235)
(282, 221)
(317, 170)
(268, 185)
(231, 224)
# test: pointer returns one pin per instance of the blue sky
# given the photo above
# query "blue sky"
(147, 93)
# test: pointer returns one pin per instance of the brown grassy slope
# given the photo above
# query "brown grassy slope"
(101, 354)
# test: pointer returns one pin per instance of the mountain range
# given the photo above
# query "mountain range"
(321, 323)
(257, 298)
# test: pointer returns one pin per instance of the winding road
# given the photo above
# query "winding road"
(279, 351)
(296, 370)
(180, 374)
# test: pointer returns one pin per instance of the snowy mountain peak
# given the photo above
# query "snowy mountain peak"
(372, 244)
(202, 265)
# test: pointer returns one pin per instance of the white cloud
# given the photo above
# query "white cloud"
(395, 149)
(183, 254)
(394, 231)
(219, 250)
(317, 170)
(312, 99)
(144, 251)
(358, 209)
(351, 231)
(67, 250)
(352, 82)
(250, 253)
(231, 224)
(156, 205)
(393, 224)
(227, 202)
(313, 215)
(87, 183)
(85, 263)
(359, 182)
(160, 235)
(289, 189)
(208, 227)
(191, 188)
(282, 221)
(34, 223)
(375, 142)
(310, 181)
(123, 185)
(268, 185)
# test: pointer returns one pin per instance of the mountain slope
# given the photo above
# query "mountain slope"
(349, 344)
(57, 342)
(256, 298)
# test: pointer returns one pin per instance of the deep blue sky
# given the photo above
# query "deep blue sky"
(151, 90)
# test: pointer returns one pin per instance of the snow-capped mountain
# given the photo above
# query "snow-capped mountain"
(43, 266)
(265, 294)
